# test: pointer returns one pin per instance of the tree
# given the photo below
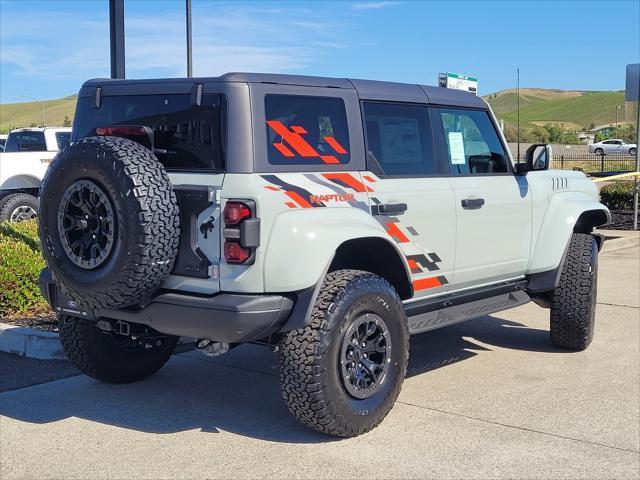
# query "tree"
(66, 122)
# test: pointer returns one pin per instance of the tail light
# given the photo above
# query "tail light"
(241, 232)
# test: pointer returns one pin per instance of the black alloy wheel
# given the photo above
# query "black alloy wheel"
(365, 355)
(86, 224)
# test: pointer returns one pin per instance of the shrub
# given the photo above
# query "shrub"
(617, 196)
(20, 265)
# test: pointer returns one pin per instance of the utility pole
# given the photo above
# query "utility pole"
(189, 55)
(617, 110)
(116, 34)
(44, 117)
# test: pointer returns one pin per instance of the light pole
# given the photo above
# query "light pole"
(44, 118)
(617, 110)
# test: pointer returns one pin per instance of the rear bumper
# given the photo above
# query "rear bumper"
(224, 317)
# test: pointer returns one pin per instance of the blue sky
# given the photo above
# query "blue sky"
(48, 48)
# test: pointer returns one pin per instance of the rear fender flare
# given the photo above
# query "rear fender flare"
(302, 245)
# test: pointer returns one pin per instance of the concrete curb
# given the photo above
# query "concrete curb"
(619, 239)
(28, 342)
(32, 343)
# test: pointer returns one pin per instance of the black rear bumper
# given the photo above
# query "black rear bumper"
(224, 317)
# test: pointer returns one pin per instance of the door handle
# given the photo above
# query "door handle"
(472, 203)
(389, 208)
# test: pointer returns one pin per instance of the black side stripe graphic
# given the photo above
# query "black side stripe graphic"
(275, 180)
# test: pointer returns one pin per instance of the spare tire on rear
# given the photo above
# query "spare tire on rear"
(109, 222)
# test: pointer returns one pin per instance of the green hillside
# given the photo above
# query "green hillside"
(572, 108)
(26, 114)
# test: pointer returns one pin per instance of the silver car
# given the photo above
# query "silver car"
(613, 145)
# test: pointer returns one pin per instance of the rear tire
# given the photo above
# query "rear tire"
(342, 373)
(632, 151)
(599, 151)
(18, 207)
(111, 357)
(573, 305)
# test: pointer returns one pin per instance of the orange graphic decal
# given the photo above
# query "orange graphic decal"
(290, 204)
(271, 187)
(295, 140)
(340, 197)
(369, 178)
(282, 148)
(347, 180)
(335, 145)
(298, 199)
(425, 283)
(393, 230)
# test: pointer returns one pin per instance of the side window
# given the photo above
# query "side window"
(32, 142)
(399, 140)
(472, 142)
(63, 139)
(13, 143)
(306, 130)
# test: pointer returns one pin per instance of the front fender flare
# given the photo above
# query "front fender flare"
(559, 223)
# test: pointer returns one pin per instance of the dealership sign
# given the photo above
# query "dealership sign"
(458, 82)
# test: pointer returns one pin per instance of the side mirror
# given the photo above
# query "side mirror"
(538, 157)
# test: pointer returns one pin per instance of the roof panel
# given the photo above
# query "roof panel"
(399, 92)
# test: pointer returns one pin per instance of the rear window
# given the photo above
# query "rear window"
(63, 139)
(186, 136)
(305, 130)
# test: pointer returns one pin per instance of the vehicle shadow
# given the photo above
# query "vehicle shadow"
(238, 392)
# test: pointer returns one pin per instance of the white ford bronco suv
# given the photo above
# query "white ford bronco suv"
(23, 162)
(327, 218)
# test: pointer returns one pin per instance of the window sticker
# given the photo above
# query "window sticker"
(456, 148)
(401, 140)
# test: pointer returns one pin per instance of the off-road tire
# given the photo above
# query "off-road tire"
(146, 225)
(3, 196)
(573, 304)
(310, 375)
(100, 355)
(10, 203)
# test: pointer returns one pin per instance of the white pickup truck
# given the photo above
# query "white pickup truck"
(27, 154)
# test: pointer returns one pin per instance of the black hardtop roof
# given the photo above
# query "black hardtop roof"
(366, 89)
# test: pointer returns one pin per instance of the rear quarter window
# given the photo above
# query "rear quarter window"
(186, 137)
(306, 130)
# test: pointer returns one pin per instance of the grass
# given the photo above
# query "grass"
(24, 114)
(553, 106)
(20, 266)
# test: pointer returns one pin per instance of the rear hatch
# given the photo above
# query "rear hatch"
(185, 131)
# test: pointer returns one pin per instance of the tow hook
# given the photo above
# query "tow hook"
(211, 348)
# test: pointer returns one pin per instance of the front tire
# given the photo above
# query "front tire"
(599, 151)
(111, 357)
(342, 373)
(632, 151)
(573, 305)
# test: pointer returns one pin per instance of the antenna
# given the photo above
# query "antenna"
(518, 95)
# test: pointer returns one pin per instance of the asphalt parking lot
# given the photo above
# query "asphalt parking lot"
(490, 398)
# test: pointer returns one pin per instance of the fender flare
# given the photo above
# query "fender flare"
(22, 181)
(288, 266)
(567, 213)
